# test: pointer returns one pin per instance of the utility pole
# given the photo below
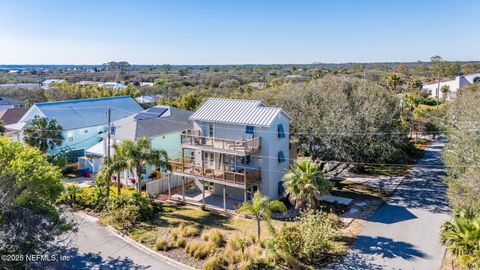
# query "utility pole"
(109, 130)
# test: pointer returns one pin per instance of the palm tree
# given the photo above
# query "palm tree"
(462, 237)
(262, 208)
(393, 81)
(135, 156)
(43, 134)
(305, 183)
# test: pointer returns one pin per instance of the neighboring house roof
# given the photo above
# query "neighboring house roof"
(172, 120)
(10, 101)
(74, 114)
(13, 115)
(234, 111)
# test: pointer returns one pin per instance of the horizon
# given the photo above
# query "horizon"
(237, 33)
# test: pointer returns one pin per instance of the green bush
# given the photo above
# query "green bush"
(133, 208)
(309, 239)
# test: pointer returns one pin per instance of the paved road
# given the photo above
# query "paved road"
(404, 232)
(96, 247)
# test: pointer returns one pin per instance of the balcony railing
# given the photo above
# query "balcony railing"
(187, 166)
(243, 146)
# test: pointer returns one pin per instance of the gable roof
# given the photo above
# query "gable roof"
(12, 115)
(235, 111)
(10, 101)
(74, 114)
(173, 120)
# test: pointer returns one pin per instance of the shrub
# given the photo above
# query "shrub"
(214, 262)
(192, 246)
(181, 242)
(191, 231)
(161, 244)
(213, 236)
(127, 210)
(175, 232)
(199, 249)
(309, 240)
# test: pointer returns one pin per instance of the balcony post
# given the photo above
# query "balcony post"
(183, 160)
(224, 198)
(183, 188)
(245, 194)
(203, 192)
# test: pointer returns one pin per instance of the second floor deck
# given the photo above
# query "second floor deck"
(242, 146)
(241, 177)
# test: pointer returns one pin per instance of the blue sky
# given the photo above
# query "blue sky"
(236, 31)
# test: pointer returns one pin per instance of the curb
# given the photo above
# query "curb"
(134, 243)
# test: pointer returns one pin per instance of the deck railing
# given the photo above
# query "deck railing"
(186, 166)
(243, 145)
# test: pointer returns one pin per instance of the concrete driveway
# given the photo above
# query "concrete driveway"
(404, 231)
(96, 247)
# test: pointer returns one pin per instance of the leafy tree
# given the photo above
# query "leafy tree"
(43, 133)
(415, 84)
(262, 208)
(2, 127)
(29, 186)
(305, 183)
(368, 131)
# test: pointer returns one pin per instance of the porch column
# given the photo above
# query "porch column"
(169, 186)
(245, 194)
(183, 188)
(203, 192)
(224, 198)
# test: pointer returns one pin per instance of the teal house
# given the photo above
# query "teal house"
(162, 125)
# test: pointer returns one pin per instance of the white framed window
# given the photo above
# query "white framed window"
(70, 136)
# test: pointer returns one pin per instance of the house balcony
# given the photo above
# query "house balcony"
(219, 145)
(243, 177)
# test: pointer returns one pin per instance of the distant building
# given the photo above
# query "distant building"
(453, 85)
(146, 84)
(147, 99)
(48, 83)
(114, 85)
(8, 103)
(257, 85)
(20, 85)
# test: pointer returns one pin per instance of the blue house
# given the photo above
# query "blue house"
(82, 120)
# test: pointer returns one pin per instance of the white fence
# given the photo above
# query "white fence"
(161, 185)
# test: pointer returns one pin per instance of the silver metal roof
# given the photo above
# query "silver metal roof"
(235, 111)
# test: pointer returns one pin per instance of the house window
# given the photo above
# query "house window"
(210, 130)
(280, 131)
(85, 131)
(249, 130)
(281, 157)
(70, 136)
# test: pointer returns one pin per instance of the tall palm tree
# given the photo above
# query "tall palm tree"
(135, 156)
(43, 134)
(462, 237)
(262, 208)
(305, 183)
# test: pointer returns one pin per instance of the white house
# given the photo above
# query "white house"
(453, 85)
(47, 83)
(236, 147)
(82, 120)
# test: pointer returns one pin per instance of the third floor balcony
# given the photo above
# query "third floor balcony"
(243, 146)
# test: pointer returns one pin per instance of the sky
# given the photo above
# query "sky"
(237, 31)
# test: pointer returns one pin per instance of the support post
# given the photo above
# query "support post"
(245, 195)
(224, 198)
(183, 188)
(169, 186)
(203, 192)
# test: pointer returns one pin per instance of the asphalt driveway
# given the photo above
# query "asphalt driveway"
(96, 247)
(404, 232)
